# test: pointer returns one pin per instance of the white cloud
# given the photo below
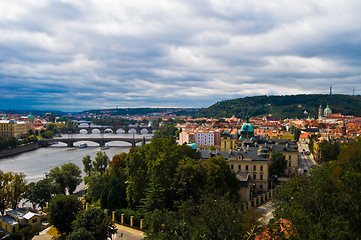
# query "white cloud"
(175, 53)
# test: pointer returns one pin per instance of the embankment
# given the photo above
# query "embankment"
(20, 149)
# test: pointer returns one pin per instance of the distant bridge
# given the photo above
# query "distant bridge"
(102, 141)
(113, 129)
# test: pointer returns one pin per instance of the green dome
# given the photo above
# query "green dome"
(4, 118)
(247, 127)
(30, 116)
(192, 145)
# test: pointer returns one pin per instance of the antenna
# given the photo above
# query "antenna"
(330, 89)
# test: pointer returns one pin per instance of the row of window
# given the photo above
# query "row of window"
(246, 169)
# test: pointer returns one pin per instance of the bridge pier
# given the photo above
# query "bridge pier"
(101, 143)
(133, 143)
(70, 144)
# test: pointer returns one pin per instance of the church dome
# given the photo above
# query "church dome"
(247, 127)
(30, 116)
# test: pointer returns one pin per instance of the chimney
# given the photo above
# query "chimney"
(286, 144)
(260, 147)
(259, 152)
(247, 147)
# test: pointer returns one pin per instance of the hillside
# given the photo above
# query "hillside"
(281, 107)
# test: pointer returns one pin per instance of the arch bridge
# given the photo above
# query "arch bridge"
(102, 141)
(114, 129)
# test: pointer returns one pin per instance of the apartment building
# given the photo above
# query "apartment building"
(12, 128)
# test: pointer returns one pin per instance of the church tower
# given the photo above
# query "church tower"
(320, 112)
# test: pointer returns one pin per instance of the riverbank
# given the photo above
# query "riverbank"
(18, 150)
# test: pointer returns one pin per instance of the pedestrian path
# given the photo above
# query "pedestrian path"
(127, 233)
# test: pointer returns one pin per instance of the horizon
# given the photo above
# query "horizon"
(158, 107)
(91, 55)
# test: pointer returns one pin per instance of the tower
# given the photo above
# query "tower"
(320, 112)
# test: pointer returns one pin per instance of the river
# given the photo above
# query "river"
(35, 163)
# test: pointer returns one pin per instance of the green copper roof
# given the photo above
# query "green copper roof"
(247, 127)
(192, 145)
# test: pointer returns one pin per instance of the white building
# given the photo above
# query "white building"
(204, 137)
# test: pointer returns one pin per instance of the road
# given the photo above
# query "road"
(267, 210)
(304, 161)
(126, 233)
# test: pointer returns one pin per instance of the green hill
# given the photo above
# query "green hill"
(281, 107)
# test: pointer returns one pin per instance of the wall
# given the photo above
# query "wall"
(17, 150)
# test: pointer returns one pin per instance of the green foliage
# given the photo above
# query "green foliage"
(87, 162)
(96, 222)
(41, 192)
(100, 162)
(213, 217)
(296, 133)
(62, 212)
(80, 234)
(111, 121)
(325, 203)
(9, 142)
(162, 172)
(67, 177)
(12, 189)
(282, 107)
(278, 163)
(127, 213)
(329, 151)
(170, 131)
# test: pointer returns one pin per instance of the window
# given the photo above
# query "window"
(260, 186)
(289, 157)
(261, 177)
(261, 168)
(254, 168)
(246, 167)
(254, 176)
(35, 220)
(231, 166)
(239, 167)
(289, 164)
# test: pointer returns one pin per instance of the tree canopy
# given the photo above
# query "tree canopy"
(325, 203)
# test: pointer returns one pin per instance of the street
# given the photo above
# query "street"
(127, 233)
(304, 161)
(267, 210)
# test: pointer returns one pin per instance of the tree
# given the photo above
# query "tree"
(80, 234)
(15, 189)
(101, 162)
(62, 212)
(41, 192)
(213, 217)
(67, 177)
(325, 203)
(4, 181)
(95, 221)
(278, 163)
(87, 162)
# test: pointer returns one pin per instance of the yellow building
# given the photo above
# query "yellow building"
(228, 143)
(15, 219)
(11, 128)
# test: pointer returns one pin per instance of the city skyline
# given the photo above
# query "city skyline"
(73, 56)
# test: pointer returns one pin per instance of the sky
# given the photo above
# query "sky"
(78, 55)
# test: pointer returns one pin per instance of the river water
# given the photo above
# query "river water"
(35, 163)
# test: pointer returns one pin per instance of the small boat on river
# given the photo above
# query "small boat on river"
(104, 147)
(83, 145)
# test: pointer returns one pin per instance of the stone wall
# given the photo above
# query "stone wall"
(20, 149)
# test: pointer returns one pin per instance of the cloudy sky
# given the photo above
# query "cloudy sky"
(75, 55)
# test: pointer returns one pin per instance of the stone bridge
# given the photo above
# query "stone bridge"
(102, 141)
(114, 129)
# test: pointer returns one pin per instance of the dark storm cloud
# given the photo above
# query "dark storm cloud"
(74, 55)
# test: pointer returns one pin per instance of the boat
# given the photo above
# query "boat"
(104, 147)
(83, 145)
